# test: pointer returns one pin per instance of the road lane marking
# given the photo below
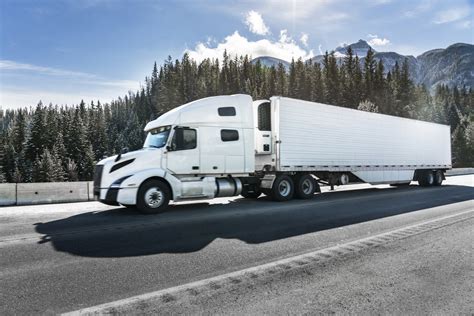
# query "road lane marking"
(235, 278)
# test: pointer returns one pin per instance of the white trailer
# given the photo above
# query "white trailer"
(282, 147)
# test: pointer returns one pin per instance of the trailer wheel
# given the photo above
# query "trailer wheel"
(305, 186)
(283, 188)
(426, 178)
(153, 197)
(438, 177)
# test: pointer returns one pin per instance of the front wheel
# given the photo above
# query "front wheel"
(153, 197)
(283, 188)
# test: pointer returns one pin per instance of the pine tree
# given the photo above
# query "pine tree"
(368, 107)
(369, 75)
(35, 142)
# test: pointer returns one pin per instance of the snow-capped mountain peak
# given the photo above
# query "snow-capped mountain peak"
(359, 48)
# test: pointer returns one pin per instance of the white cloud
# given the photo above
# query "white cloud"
(451, 15)
(304, 39)
(13, 97)
(377, 41)
(320, 49)
(235, 45)
(9, 66)
(12, 65)
(255, 23)
(380, 2)
(24, 84)
(466, 24)
(424, 6)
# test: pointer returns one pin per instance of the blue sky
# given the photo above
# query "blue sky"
(62, 51)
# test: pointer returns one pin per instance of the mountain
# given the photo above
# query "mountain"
(452, 66)
(271, 61)
(360, 49)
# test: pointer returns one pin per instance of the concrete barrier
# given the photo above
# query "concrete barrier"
(7, 194)
(459, 171)
(58, 192)
(90, 187)
(52, 192)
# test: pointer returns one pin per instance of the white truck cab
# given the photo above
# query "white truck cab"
(231, 145)
(202, 149)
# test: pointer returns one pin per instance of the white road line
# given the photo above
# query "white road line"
(218, 282)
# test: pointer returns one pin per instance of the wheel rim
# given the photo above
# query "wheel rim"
(307, 186)
(284, 188)
(154, 197)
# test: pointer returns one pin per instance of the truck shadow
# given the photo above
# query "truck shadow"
(122, 232)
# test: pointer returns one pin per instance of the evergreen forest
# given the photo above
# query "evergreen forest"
(46, 143)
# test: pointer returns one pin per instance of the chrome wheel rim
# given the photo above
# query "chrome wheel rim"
(307, 186)
(284, 188)
(154, 197)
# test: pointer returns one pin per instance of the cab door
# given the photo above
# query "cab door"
(182, 155)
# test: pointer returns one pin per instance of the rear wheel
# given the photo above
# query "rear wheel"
(305, 186)
(153, 197)
(283, 188)
(438, 177)
(426, 178)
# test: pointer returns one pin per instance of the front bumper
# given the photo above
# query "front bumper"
(116, 196)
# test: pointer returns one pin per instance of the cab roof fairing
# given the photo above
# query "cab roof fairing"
(205, 112)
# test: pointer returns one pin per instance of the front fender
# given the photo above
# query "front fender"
(129, 187)
(137, 178)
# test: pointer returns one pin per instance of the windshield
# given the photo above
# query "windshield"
(157, 137)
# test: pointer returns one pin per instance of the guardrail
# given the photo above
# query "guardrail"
(62, 192)
(45, 192)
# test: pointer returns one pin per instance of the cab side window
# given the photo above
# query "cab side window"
(229, 135)
(184, 139)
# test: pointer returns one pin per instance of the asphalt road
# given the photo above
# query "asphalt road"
(64, 257)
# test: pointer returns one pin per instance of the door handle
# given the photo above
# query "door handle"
(195, 167)
(215, 167)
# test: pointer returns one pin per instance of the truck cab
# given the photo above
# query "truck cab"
(202, 149)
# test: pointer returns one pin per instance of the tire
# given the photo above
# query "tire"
(305, 186)
(426, 178)
(438, 177)
(283, 188)
(153, 197)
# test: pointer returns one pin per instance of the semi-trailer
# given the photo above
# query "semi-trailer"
(231, 145)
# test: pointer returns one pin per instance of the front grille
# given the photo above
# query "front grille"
(97, 178)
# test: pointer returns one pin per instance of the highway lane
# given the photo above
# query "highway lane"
(57, 258)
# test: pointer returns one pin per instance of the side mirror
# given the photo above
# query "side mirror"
(168, 148)
(124, 150)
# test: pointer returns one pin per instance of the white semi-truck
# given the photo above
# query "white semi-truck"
(231, 145)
